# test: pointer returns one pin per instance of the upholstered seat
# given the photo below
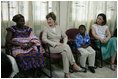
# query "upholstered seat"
(71, 33)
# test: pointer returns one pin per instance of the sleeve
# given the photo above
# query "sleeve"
(34, 39)
(88, 39)
(29, 29)
(33, 36)
(77, 41)
(64, 36)
(94, 27)
(10, 29)
(46, 40)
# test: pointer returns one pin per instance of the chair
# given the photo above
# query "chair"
(98, 50)
(51, 57)
(115, 33)
(71, 34)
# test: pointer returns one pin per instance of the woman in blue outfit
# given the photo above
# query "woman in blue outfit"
(108, 45)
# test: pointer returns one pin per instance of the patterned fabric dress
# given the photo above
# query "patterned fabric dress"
(26, 58)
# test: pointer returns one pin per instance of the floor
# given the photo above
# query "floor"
(104, 72)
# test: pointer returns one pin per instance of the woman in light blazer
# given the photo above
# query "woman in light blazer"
(52, 35)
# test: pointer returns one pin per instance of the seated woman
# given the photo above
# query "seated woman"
(24, 44)
(52, 35)
(82, 41)
(108, 45)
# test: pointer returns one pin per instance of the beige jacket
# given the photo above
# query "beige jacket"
(53, 38)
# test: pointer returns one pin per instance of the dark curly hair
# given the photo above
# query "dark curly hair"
(52, 15)
(17, 17)
(82, 26)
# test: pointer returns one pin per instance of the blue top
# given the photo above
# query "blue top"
(80, 40)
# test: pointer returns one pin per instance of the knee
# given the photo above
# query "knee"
(67, 47)
(113, 40)
(84, 55)
(93, 54)
(64, 54)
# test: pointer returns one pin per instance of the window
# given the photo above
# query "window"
(38, 8)
(9, 9)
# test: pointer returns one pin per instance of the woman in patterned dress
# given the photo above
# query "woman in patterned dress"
(26, 47)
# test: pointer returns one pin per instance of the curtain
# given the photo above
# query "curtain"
(33, 11)
(85, 12)
(69, 14)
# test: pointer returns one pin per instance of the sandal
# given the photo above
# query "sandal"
(112, 66)
(78, 69)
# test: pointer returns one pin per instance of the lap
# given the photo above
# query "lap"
(59, 49)
(88, 50)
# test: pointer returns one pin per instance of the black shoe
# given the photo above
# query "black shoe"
(91, 69)
(71, 70)
(84, 69)
(95, 67)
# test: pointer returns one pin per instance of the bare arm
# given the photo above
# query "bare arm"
(94, 34)
(108, 35)
(64, 36)
(9, 39)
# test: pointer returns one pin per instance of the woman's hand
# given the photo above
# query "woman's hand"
(59, 44)
(23, 46)
(104, 40)
(27, 45)
(19, 44)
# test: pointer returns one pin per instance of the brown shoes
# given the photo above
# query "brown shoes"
(77, 68)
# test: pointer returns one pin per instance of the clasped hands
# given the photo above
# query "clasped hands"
(104, 40)
(26, 46)
(59, 44)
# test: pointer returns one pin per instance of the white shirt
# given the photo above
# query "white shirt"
(100, 30)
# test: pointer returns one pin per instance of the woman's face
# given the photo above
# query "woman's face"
(99, 20)
(21, 22)
(50, 21)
